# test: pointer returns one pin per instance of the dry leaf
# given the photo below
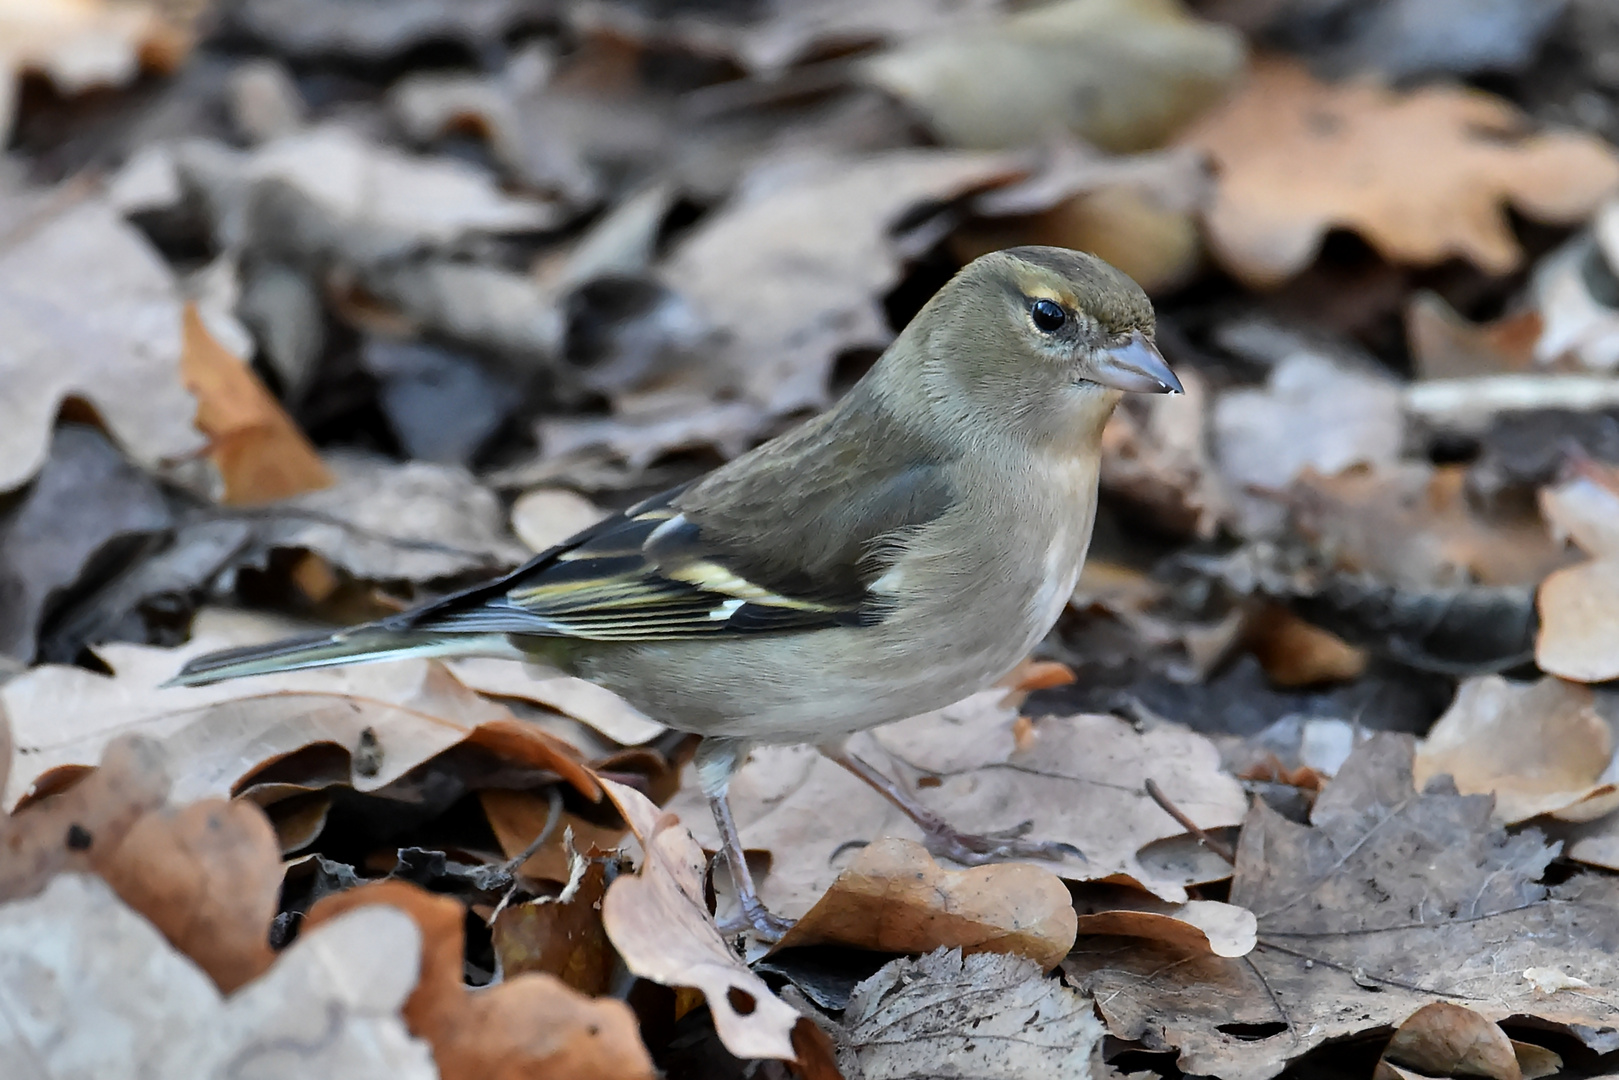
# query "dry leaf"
(71, 828)
(791, 271)
(1579, 622)
(1423, 175)
(526, 1026)
(895, 898)
(1389, 900)
(584, 701)
(1294, 652)
(88, 310)
(1445, 1039)
(1540, 748)
(89, 988)
(545, 517)
(778, 36)
(561, 935)
(1074, 779)
(80, 44)
(1122, 74)
(388, 522)
(371, 200)
(1414, 525)
(85, 497)
(208, 876)
(214, 736)
(1197, 926)
(988, 1016)
(517, 817)
(1444, 345)
(661, 927)
(260, 453)
(1314, 413)
(1577, 324)
(1585, 508)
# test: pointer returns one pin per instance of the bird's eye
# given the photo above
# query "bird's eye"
(1048, 315)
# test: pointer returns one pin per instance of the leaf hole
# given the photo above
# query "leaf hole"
(742, 1001)
(1253, 1032)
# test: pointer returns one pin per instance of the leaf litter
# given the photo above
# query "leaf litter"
(328, 313)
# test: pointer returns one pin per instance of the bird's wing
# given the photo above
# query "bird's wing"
(684, 564)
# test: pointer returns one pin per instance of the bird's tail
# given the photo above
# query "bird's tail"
(354, 646)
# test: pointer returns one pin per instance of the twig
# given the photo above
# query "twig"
(1217, 846)
(553, 818)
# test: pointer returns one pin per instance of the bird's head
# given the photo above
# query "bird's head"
(1044, 338)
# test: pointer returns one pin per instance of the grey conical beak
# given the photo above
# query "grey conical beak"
(1136, 367)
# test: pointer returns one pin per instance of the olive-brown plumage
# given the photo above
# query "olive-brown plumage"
(900, 551)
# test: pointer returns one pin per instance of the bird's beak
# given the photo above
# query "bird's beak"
(1136, 367)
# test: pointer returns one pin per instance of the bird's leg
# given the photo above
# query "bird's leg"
(717, 759)
(942, 838)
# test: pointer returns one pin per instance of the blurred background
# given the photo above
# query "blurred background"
(322, 306)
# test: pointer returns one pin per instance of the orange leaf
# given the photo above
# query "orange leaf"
(531, 1025)
(259, 451)
(1422, 176)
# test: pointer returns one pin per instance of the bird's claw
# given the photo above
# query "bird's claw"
(976, 849)
(756, 919)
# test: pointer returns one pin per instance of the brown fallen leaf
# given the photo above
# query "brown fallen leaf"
(895, 898)
(208, 876)
(71, 828)
(989, 1016)
(1314, 413)
(1197, 926)
(217, 736)
(658, 921)
(1135, 212)
(1579, 622)
(1121, 74)
(328, 1007)
(561, 935)
(1414, 525)
(90, 311)
(790, 272)
(79, 44)
(1389, 900)
(1074, 779)
(1446, 1039)
(517, 817)
(1446, 346)
(526, 1026)
(1294, 652)
(260, 453)
(1422, 175)
(1540, 748)
(544, 517)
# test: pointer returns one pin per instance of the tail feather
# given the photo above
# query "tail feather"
(356, 646)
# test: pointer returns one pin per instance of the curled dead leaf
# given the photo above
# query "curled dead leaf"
(70, 829)
(260, 453)
(659, 923)
(895, 898)
(528, 1025)
(208, 875)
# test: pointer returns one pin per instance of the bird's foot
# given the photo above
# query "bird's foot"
(975, 849)
(756, 919)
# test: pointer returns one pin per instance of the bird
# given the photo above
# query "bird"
(896, 553)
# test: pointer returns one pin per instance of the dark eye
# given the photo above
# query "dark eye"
(1048, 315)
